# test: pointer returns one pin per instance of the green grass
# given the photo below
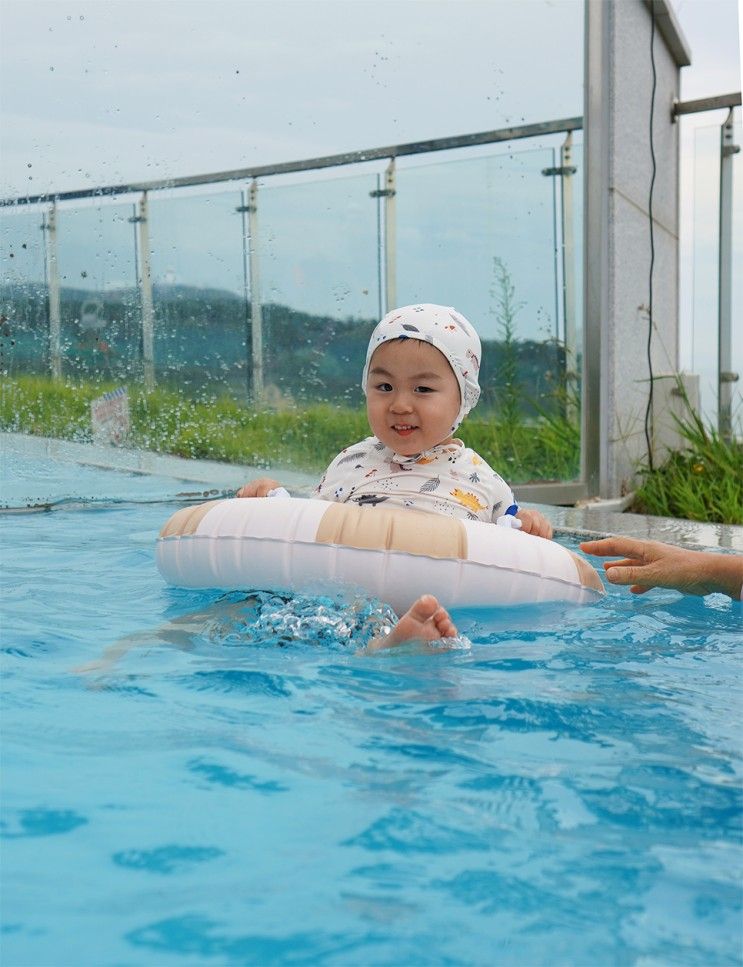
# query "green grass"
(306, 438)
(702, 481)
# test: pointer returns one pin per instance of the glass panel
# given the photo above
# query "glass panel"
(196, 245)
(320, 284)
(99, 300)
(24, 329)
(484, 235)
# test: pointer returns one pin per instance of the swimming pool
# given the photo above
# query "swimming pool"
(566, 790)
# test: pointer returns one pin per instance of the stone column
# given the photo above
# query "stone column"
(619, 172)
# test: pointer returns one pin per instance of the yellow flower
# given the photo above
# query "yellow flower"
(698, 468)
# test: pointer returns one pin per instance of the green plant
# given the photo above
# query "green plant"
(508, 392)
(308, 437)
(701, 481)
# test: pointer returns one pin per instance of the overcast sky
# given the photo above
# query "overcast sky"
(107, 92)
(102, 92)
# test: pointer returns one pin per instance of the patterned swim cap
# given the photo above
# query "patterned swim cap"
(445, 329)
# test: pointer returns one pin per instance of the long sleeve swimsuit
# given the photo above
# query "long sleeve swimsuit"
(449, 479)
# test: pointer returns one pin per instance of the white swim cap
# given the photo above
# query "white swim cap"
(445, 329)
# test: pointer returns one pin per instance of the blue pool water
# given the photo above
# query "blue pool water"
(566, 790)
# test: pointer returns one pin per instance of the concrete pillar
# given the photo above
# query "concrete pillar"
(619, 172)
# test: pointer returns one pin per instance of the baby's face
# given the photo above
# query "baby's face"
(412, 396)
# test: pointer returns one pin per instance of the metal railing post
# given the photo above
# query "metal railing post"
(242, 210)
(725, 376)
(567, 171)
(390, 238)
(256, 314)
(595, 431)
(49, 225)
(378, 195)
(145, 295)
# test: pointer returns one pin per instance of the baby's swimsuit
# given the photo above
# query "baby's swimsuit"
(448, 479)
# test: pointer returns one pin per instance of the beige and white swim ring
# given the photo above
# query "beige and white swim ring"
(394, 554)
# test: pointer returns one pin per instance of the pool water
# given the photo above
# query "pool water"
(561, 788)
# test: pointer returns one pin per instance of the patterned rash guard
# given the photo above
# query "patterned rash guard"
(448, 479)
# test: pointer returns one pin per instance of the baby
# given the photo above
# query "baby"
(420, 380)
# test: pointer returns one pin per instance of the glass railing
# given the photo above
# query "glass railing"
(24, 331)
(98, 297)
(198, 293)
(260, 297)
(319, 277)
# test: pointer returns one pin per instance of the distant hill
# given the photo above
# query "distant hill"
(203, 339)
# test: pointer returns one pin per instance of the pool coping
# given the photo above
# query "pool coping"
(580, 522)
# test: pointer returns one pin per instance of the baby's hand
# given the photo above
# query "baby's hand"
(258, 488)
(532, 522)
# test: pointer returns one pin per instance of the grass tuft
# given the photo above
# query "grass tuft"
(703, 481)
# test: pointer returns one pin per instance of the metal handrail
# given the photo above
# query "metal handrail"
(706, 104)
(539, 129)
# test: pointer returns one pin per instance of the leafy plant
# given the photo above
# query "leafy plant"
(702, 481)
(508, 391)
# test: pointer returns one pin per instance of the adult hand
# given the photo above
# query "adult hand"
(258, 488)
(534, 522)
(650, 564)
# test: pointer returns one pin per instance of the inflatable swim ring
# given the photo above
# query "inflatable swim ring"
(394, 554)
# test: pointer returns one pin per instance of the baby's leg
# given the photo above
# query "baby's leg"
(181, 633)
(425, 620)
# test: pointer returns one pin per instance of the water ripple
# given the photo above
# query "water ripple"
(217, 774)
(166, 860)
(238, 680)
(41, 822)
(407, 831)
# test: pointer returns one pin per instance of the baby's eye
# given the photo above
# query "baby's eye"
(424, 389)
(384, 387)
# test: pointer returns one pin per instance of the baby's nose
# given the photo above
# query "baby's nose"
(401, 403)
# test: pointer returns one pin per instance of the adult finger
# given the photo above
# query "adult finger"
(623, 562)
(608, 546)
(628, 575)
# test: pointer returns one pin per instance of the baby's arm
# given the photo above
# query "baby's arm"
(258, 488)
(650, 564)
(531, 521)
(534, 522)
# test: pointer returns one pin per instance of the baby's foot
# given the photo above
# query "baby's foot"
(425, 620)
